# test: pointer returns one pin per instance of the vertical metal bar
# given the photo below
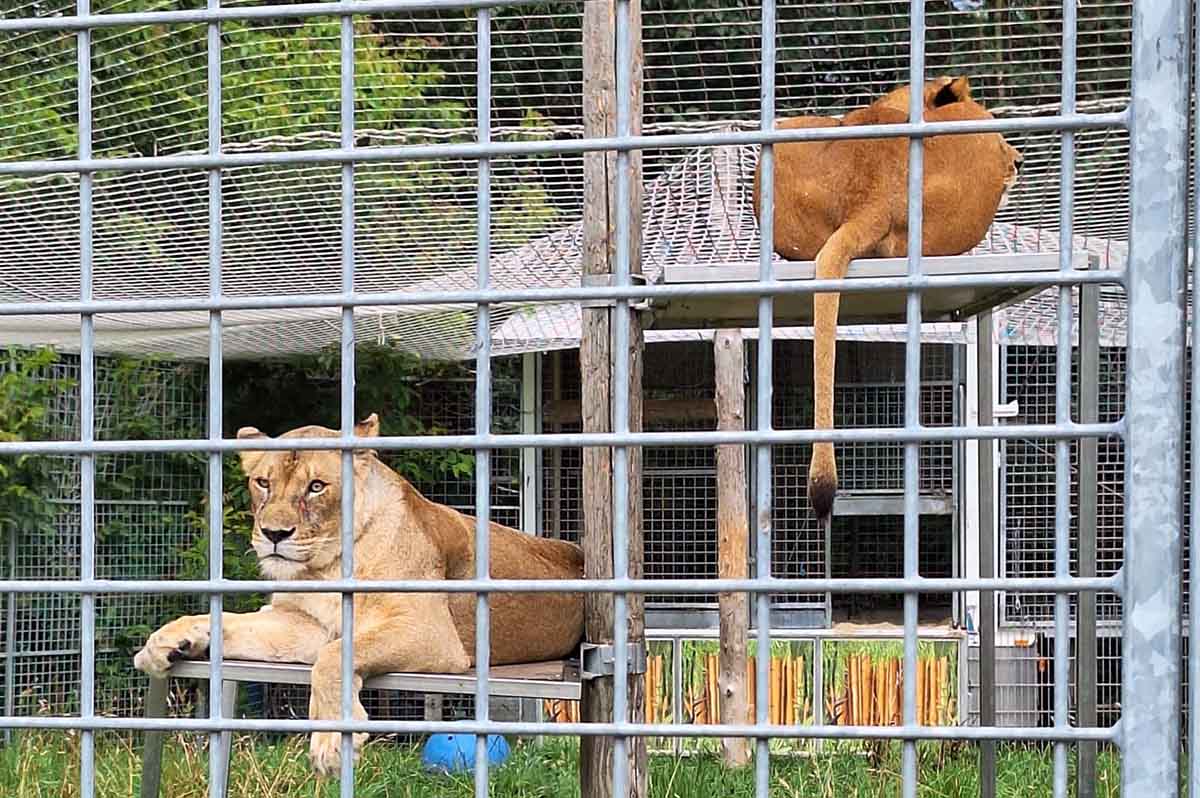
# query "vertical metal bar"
(1062, 406)
(531, 424)
(985, 364)
(957, 449)
(483, 391)
(87, 419)
(218, 776)
(677, 689)
(828, 549)
(346, 666)
(1086, 662)
(10, 639)
(764, 396)
(620, 401)
(1156, 283)
(818, 660)
(1193, 672)
(912, 387)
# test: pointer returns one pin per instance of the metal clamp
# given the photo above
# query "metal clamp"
(608, 280)
(598, 660)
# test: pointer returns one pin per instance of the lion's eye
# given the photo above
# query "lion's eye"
(316, 486)
(262, 483)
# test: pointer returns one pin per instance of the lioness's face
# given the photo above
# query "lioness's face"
(295, 497)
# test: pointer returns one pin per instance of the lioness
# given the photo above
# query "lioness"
(398, 534)
(840, 200)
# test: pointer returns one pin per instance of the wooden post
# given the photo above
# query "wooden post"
(733, 540)
(596, 360)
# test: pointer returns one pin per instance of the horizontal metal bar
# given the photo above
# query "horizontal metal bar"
(815, 585)
(192, 17)
(669, 634)
(1033, 279)
(942, 265)
(576, 439)
(509, 149)
(498, 683)
(1110, 734)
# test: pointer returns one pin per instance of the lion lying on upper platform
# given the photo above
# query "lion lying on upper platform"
(840, 200)
(398, 534)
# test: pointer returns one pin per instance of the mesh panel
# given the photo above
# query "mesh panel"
(680, 481)
(869, 392)
(872, 547)
(1028, 378)
(142, 530)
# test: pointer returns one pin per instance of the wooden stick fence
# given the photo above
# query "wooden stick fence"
(869, 692)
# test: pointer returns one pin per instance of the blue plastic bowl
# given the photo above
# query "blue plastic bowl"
(455, 753)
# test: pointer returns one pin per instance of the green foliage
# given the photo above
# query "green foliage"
(276, 396)
(26, 480)
(279, 78)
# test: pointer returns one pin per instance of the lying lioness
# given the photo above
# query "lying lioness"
(840, 200)
(398, 534)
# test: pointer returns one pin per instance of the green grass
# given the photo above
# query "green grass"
(45, 765)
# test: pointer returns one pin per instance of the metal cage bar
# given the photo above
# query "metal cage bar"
(346, 662)
(217, 760)
(1062, 413)
(912, 387)
(1193, 671)
(483, 396)
(1154, 407)
(574, 440)
(620, 354)
(763, 474)
(87, 420)
(598, 144)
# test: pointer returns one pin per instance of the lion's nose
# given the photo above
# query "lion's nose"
(277, 535)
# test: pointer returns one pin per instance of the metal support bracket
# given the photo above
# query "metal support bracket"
(598, 659)
(608, 281)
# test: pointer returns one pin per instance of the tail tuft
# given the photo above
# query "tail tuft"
(821, 492)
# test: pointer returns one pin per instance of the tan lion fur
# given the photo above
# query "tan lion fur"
(398, 534)
(840, 200)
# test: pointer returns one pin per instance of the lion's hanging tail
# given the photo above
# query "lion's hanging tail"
(853, 239)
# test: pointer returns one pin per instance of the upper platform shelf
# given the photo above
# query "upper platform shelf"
(951, 303)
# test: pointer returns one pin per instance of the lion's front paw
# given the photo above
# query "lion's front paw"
(326, 751)
(185, 638)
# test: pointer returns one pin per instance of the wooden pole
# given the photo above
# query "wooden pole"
(733, 540)
(597, 357)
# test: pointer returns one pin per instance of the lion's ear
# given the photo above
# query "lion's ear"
(368, 427)
(250, 459)
(956, 91)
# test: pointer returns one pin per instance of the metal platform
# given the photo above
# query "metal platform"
(555, 679)
(951, 303)
(889, 503)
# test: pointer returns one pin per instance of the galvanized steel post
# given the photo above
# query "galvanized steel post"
(1156, 281)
